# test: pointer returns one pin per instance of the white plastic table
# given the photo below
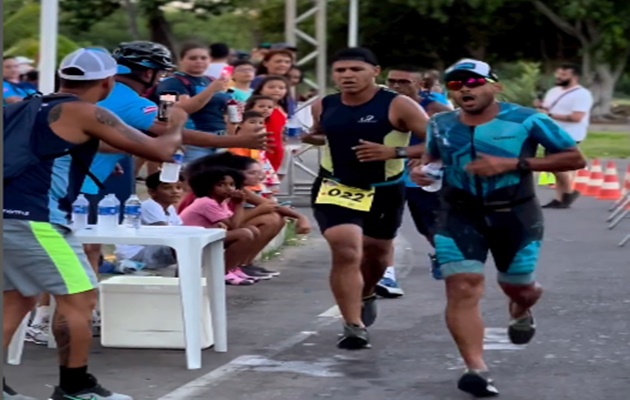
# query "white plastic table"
(199, 254)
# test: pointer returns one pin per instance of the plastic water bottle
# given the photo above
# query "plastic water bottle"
(133, 209)
(435, 172)
(293, 129)
(107, 214)
(171, 170)
(117, 201)
(80, 211)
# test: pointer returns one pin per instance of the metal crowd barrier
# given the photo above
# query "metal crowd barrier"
(619, 212)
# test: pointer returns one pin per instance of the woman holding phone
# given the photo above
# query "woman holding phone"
(200, 96)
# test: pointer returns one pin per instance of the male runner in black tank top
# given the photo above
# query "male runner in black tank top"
(358, 196)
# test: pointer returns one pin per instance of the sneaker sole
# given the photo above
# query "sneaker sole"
(477, 387)
(389, 293)
(353, 343)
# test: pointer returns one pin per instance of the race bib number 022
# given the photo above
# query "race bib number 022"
(331, 192)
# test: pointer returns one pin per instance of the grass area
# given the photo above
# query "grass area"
(606, 145)
(621, 101)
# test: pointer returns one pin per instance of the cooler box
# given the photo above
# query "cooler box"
(146, 312)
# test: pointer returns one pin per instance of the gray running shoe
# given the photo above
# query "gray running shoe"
(477, 383)
(522, 330)
(96, 392)
(369, 311)
(354, 337)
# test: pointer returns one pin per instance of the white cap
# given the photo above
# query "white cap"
(472, 66)
(88, 65)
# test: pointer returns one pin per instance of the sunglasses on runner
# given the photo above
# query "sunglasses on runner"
(470, 83)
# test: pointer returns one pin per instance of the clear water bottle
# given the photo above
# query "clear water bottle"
(80, 211)
(434, 171)
(107, 214)
(133, 209)
(117, 201)
(293, 129)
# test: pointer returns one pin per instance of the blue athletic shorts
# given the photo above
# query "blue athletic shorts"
(513, 235)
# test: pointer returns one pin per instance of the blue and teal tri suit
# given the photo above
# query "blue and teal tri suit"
(499, 214)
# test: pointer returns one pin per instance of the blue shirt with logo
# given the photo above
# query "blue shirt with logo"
(134, 110)
(426, 98)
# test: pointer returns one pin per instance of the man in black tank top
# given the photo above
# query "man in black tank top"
(358, 196)
(41, 255)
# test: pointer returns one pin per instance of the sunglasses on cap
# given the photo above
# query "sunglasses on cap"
(470, 83)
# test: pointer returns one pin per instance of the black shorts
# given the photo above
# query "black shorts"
(381, 222)
(424, 208)
(513, 236)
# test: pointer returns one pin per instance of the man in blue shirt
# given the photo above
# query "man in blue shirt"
(488, 150)
(407, 80)
(13, 90)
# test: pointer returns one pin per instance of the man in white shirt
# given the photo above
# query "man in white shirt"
(569, 105)
(219, 55)
(156, 211)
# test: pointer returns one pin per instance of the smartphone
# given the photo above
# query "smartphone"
(167, 100)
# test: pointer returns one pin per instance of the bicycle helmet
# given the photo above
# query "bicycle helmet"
(144, 54)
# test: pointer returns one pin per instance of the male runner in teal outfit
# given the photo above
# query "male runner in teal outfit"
(488, 149)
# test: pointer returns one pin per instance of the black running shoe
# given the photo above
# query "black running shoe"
(263, 270)
(522, 330)
(10, 394)
(96, 392)
(354, 337)
(369, 312)
(478, 384)
(255, 273)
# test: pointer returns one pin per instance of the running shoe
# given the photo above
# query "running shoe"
(10, 394)
(235, 280)
(263, 270)
(388, 288)
(354, 337)
(477, 383)
(239, 272)
(95, 392)
(369, 311)
(255, 274)
(522, 330)
(37, 334)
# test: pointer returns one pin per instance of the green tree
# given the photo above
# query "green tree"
(603, 30)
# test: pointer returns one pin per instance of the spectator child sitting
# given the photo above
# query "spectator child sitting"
(159, 209)
(219, 204)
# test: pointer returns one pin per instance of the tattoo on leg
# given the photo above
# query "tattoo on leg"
(61, 330)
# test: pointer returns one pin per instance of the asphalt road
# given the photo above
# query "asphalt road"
(282, 333)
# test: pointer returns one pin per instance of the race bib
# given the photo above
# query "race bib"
(331, 192)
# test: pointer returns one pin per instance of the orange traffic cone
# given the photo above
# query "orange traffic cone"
(610, 189)
(626, 182)
(580, 182)
(595, 180)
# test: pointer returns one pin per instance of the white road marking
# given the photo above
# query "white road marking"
(497, 339)
(203, 383)
(332, 312)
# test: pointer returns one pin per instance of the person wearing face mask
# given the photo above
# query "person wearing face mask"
(488, 152)
(569, 105)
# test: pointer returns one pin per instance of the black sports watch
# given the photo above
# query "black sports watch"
(523, 165)
(401, 152)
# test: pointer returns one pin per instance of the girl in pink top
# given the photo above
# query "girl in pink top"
(219, 204)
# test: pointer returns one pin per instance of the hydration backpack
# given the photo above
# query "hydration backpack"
(19, 147)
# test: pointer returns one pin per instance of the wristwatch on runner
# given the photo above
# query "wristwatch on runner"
(401, 152)
(523, 165)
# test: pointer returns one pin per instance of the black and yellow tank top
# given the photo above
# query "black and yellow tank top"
(345, 125)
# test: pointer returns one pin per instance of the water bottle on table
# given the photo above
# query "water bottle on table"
(434, 171)
(107, 214)
(80, 211)
(133, 210)
(171, 170)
